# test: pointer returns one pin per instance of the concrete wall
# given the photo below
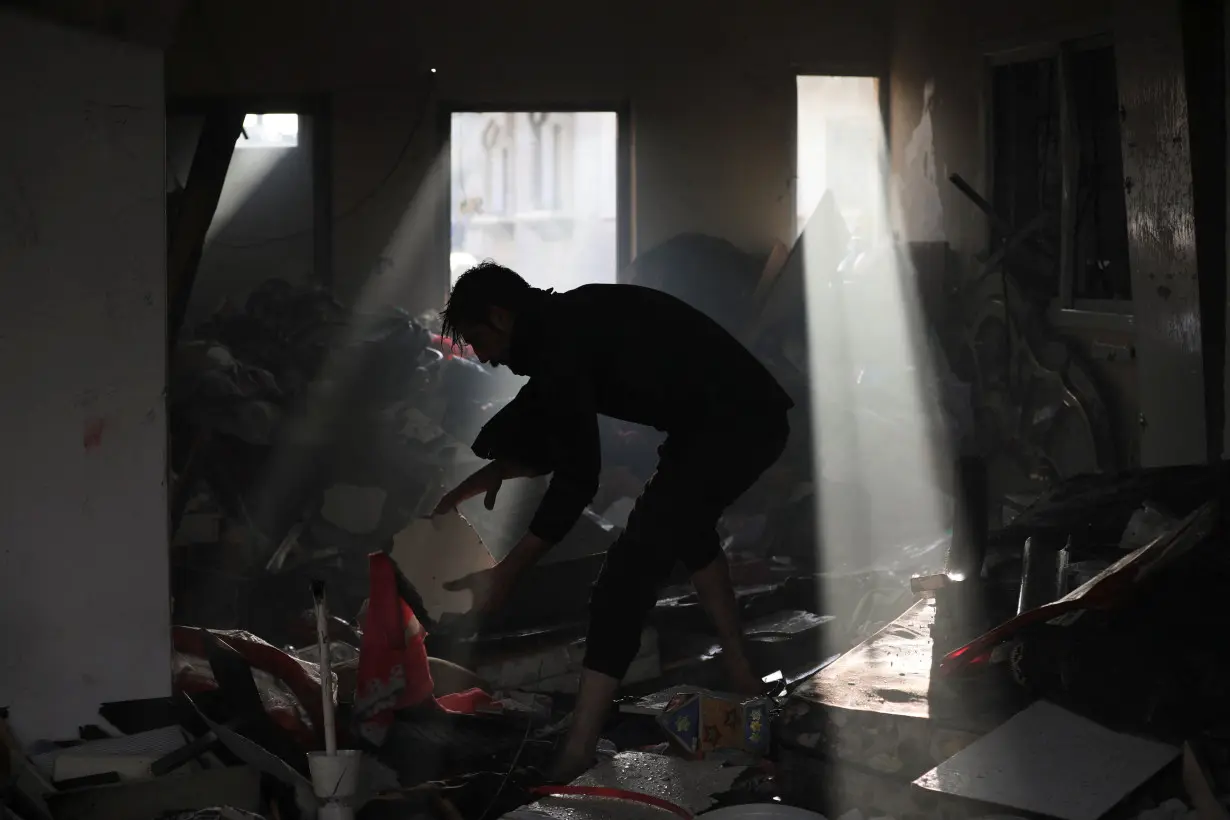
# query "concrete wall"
(712, 94)
(84, 586)
(938, 58)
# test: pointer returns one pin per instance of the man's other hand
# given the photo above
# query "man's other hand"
(489, 588)
(486, 481)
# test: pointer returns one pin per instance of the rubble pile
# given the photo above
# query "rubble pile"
(308, 444)
(303, 438)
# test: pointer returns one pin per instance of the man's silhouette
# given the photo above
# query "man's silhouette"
(599, 349)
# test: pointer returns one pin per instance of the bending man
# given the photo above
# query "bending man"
(598, 349)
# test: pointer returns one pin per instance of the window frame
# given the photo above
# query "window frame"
(1065, 308)
(883, 90)
(625, 211)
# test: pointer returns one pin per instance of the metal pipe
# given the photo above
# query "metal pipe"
(326, 671)
(1044, 568)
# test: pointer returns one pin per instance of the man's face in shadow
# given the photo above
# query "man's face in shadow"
(492, 339)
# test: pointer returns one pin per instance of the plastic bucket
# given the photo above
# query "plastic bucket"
(336, 776)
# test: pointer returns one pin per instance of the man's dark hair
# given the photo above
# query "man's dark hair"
(484, 286)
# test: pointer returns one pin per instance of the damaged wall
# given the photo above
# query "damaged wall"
(940, 108)
(84, 590)
(713, 136)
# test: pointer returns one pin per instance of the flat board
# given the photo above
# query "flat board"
(433, 552)
(1048, 760)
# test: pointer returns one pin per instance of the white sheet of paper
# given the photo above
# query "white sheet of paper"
(1048, 760)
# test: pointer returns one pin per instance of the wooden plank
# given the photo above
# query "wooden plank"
(196, 207)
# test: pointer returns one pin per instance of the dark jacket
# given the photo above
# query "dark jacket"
(605, 349)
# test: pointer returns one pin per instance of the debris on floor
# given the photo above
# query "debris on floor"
(1076, 678)
(703, 723)
(1106, 700)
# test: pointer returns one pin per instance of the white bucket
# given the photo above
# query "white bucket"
(335, 811)
(336, 776)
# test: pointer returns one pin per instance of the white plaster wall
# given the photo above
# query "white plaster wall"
(84, 590)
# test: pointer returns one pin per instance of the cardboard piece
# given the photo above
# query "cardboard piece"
(129, 756)
(431, 552)
(655, 704)
(1049, 761)
(704, 722)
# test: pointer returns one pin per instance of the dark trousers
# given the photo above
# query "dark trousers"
(700, 474)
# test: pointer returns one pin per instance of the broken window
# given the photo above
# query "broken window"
(537, 191)
(1055, 126)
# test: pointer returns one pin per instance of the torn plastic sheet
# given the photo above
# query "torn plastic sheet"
(289, 687)
(265, 761)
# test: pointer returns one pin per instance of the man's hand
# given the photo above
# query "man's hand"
(490, 588)
(486, 481)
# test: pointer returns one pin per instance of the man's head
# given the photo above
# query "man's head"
(482, 308)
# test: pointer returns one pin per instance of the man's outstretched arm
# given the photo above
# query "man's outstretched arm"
(486, 480)
(560, 426)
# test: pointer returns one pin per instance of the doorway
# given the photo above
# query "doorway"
(840, 145)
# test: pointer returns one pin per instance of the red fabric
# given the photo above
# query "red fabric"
(450, 349)
(393, 670)
(466, 703)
